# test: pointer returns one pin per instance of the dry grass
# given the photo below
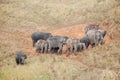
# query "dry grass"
(54, 67)
(20, 18)
(50, 13)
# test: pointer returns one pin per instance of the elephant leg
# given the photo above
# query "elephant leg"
(71, 49)
(42, 50)
(60, 49)
(93, 45)
(75, 48)
(51, 50)
(87, 45)
(45, 50)
(68, 51)
(22, 60)
(17, 60)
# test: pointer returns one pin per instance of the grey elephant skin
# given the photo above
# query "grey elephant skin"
(20, 57)
(39, 35)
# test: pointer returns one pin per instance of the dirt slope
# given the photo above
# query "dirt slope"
(75, 31)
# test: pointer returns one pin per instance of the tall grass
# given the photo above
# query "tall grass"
(58, 12)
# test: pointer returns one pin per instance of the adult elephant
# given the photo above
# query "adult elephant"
(54, 43)
(91, 27)
(80, 46)
(85, 40)
(95, 37)
(39, 35)
(61, 38)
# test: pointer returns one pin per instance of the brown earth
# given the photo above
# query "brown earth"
(75, 31)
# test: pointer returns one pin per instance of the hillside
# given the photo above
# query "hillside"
(20, 18)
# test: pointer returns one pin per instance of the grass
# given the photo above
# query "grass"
(40, 68)
(103, 56)
(20, 18)
(52, 68)
(58, 13)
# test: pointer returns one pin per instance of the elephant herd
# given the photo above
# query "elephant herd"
(47, 43)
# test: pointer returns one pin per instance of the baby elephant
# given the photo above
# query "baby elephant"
(20, 57)
(41, 46)
(80, 46)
